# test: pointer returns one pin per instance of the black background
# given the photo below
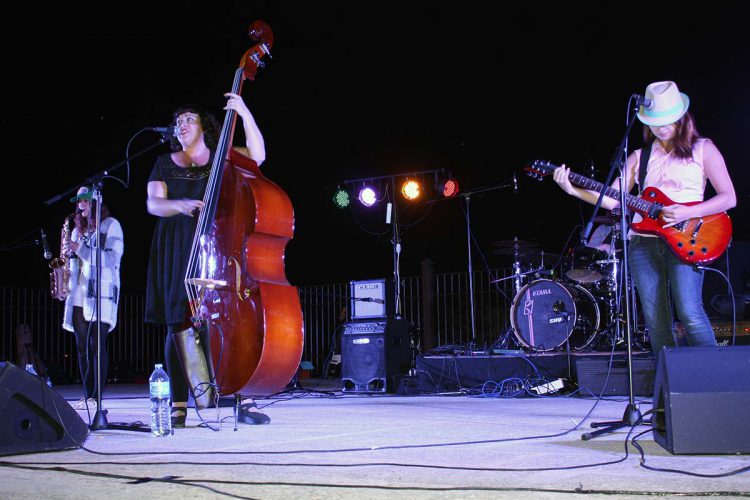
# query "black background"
(358, 89)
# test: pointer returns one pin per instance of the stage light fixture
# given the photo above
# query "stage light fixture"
(450, 188)
(411, 189)
(367, 196)
(341, 198)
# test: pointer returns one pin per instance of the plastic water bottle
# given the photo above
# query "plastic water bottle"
(158, 383)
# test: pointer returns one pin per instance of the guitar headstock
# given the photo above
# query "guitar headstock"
(540, 169)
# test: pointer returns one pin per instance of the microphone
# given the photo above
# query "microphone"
(45, 246)
(559, 308)
(640, 100)
(162, 130)
(370, 299)
(515, 184)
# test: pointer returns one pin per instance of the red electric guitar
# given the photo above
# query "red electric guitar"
(694, 241)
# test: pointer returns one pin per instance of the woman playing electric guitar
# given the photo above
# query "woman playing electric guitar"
(678, 165)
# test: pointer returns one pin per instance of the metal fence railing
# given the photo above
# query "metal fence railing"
(437, 306)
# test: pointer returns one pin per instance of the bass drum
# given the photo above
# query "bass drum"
(546, 313)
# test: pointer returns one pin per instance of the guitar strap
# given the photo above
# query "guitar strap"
(643, 166)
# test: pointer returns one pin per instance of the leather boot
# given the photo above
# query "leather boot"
(195, 358)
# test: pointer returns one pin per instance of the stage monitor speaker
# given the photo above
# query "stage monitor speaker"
(592, 373)
(701, 400)
(373, 354)
(33, 417)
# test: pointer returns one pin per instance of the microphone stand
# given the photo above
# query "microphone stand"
(99, 421)
(632, 414)
(467, 196)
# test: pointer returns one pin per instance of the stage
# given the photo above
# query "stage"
(325, 444)
(593, 373)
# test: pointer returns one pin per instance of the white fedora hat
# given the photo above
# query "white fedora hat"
(668, 104)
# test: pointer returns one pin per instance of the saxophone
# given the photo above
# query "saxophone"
(59, 277)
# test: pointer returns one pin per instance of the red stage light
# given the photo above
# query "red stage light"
(450, 188)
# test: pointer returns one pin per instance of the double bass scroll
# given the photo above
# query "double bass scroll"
(235, 280)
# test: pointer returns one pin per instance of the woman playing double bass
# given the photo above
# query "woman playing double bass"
(175, 191)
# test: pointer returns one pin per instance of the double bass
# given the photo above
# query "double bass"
(235, 278)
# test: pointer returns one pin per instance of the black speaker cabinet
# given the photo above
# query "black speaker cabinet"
(702, 400)
(33, 417)
(373, 353)
(593, 372)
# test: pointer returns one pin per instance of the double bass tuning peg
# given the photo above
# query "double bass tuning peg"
(258, 63)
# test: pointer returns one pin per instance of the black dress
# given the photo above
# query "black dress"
(166, 299)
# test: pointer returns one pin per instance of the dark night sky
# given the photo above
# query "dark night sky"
(359, 89)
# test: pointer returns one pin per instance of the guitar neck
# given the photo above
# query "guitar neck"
(636, 203)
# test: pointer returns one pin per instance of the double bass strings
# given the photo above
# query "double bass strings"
(196, 268)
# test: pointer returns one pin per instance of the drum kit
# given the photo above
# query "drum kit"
(574, 308)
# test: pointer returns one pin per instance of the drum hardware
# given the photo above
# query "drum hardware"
(527, 254)
(539, 271)
(527, 259)
(515, 243)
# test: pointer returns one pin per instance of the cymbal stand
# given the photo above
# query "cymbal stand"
(516, 267)
(615, 301)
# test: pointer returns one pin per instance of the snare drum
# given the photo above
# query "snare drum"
(581, 266)
(545, 314)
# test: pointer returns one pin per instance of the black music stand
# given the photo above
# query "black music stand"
(99, 421)
(632, 414)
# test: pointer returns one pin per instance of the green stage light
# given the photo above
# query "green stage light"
(341, 198)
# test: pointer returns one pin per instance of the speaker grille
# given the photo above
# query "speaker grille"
(363, 363)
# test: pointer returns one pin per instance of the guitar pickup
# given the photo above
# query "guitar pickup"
(697, 228)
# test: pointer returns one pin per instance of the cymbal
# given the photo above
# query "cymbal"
(584, 275)
(515, 243)
(528, 255)
(521, 251)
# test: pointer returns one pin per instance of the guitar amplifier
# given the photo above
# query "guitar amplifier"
(373, 353)
(364, 328)
(723, 330)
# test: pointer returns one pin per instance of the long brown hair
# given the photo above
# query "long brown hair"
(83, 223)
(685, 135)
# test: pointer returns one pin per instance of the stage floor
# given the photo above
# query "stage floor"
(325, 444)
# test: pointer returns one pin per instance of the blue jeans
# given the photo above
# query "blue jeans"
(656, 272)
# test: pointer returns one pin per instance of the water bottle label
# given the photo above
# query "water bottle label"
(159, 389)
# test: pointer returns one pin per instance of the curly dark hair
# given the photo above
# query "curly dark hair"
(211, 127)
(685, 135)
